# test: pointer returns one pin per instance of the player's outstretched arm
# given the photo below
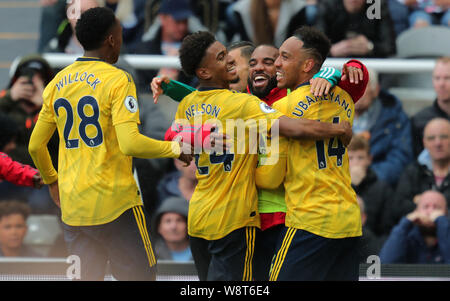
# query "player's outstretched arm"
(312, 129)
(132, 143)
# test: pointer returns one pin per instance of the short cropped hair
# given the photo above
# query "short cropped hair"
(193, 49)
(8, 208)
(246, 48)
(315, 42)
(93, 27)
(359, 142)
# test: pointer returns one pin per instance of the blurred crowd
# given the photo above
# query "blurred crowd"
(399, 163)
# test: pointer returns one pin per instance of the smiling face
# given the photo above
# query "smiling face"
(290, 64)
(239, 83)
(217, 66)
(262, 71)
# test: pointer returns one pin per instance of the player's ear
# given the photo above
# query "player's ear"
(203, 73)
(308, 65)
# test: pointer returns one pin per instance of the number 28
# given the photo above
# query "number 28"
(85, 121)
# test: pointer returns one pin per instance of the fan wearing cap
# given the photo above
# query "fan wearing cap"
(171, 237)
(164, 38)
(22, 101)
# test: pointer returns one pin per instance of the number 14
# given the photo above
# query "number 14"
(333, 151)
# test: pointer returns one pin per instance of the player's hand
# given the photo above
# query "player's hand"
(37, 181)
(348, 133)
(155, 85)
(353, 74)
(320, 86)
(54, 193)
(187, 153)
(217, 142)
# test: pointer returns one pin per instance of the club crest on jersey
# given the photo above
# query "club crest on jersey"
(131, 104)
(266, 108)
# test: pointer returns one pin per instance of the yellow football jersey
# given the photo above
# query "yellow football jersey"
(86, 100)
(319, 196)
(225, 197)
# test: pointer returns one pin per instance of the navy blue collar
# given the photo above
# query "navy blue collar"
(209, 88)
(301, 85)
(87, 59)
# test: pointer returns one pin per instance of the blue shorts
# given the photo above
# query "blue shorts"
(303, 256)
(124, 242)
(226, 259)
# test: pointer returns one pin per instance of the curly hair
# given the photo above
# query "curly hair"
(315, 43)
(8, 208)
(93, 27)
(193, 49)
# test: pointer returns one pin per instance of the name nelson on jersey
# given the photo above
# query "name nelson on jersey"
(303, 105)
(200, 109)
(70, 78)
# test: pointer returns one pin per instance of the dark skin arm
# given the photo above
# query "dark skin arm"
(312, 129)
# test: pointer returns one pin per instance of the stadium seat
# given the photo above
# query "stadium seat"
(425, 42)
(42, 232)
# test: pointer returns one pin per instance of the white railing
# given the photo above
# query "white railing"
(138, 61)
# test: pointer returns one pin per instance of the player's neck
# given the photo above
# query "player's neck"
(98, 53)
(303, 79)
(213, 84)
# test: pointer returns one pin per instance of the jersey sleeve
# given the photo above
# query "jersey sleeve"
(124, 104)
(356, 91)
(176, 90)
(47, 114)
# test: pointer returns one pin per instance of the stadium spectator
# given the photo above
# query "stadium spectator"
(170, 223)
(241, 53)
(352, 33)
(131, 14)
(22, 101)
(12, 171)
(440, 106)
(380, 116)
(423, 235)
(65, 40)
(53, 13)
(370, 244)
(419, 13)
(269, 21)
(422, 175)
(13, 229)
(179, 183)
(164, 38)
(376, 193)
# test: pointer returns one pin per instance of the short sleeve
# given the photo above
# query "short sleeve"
(124, 104)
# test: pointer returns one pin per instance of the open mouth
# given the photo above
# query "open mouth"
(260, 81)
(232, 69)
(280, 75)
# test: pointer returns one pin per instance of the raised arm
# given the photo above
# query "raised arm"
(172, 88)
